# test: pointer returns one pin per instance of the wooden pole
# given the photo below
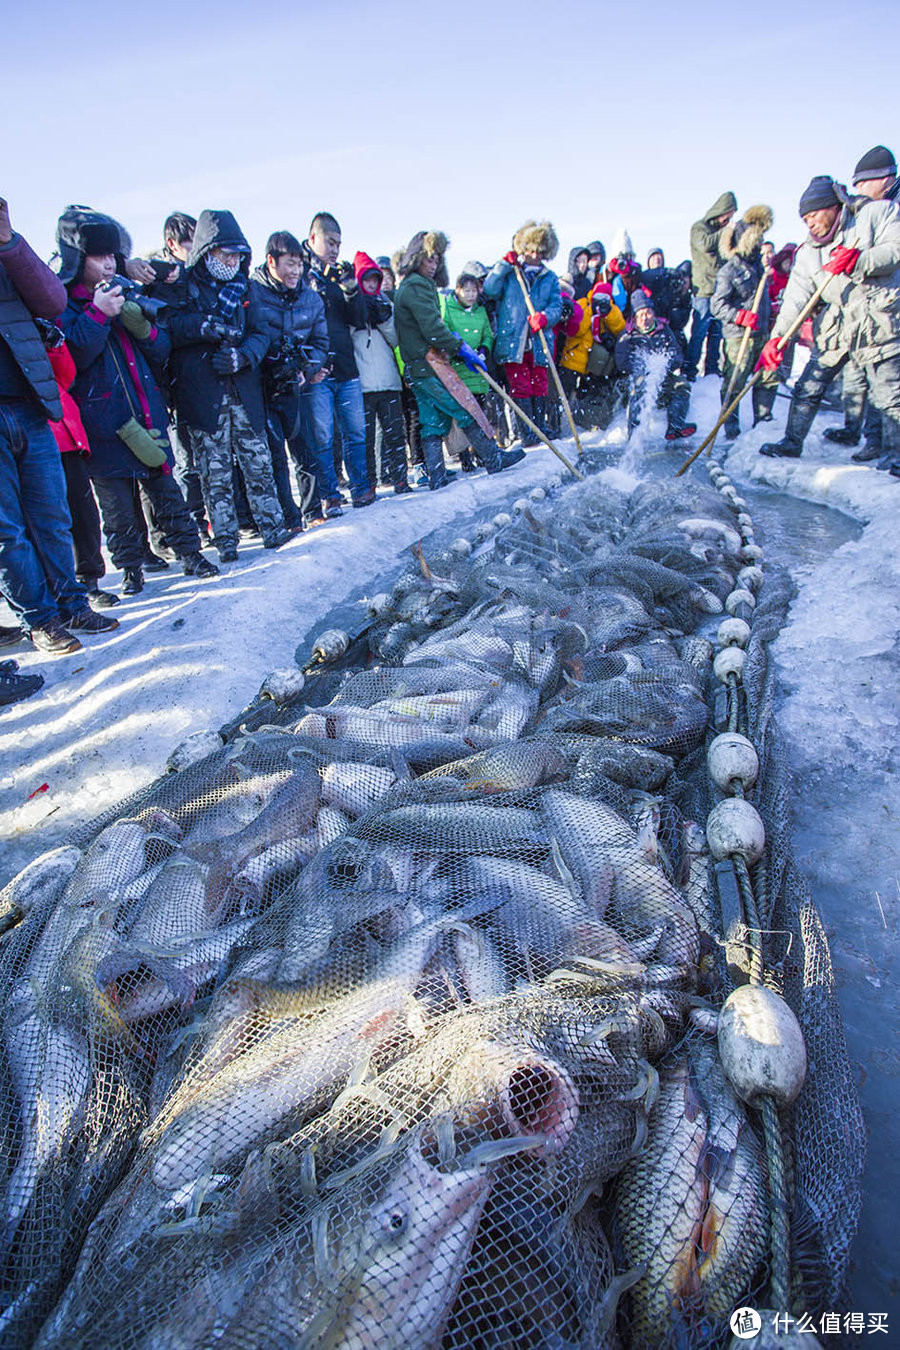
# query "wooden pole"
(782, 343)
(498, 389)
(550, 362)
(745, 340)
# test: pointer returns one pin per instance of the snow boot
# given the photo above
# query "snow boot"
(14, 687)
(154, 563)
(98, 599)
(781, 450)
(867, 453)
(433, 455)
(489, 453)
(132, 581)
(10, 635)
(195, 565)
(527, 435)
(842, 436)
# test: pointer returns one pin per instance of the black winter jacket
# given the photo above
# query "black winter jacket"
(28, 290)
(633, 348)
(195, 388)
(342, 313)
(671, 297)
(287, 315)
(736, 286)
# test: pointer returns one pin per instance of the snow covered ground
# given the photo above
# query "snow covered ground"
(190, 655)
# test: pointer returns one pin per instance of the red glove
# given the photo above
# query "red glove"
(842, 260)
(770, 357)
(537, 321)
(511, 257)
(745, 318)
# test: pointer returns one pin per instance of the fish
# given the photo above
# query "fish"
(37, 885)
(456, 827)
(510, 1089)
(584, 832)
(354, 788)
(232, 810)
(516, 765)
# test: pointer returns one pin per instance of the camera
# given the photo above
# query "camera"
(282, 367)
(149, 307)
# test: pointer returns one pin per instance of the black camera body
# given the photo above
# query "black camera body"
(284, 365)
(150, 307)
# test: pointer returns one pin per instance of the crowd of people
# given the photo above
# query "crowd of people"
(173, 404)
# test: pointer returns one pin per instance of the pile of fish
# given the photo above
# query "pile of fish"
(394, 1024)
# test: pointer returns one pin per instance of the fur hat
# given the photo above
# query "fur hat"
(424, 244)
(743, 237)
(82, 230)
(538, 237)
(475, 269)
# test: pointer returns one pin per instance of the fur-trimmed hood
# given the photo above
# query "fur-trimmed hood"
(538, 237)
(743, 237)
(424, 244)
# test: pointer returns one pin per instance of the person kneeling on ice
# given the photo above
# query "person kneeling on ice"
(422, 334)
(518, 345)
(647, 349)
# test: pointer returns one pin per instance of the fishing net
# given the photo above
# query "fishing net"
(392, 1021)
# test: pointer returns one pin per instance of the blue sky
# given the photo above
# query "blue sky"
(469, 119)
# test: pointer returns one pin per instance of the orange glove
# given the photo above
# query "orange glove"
(537, 321)
(770, 358)
(842, 260)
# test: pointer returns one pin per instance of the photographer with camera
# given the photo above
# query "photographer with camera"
(118, 351)
(219, 340)
(294, 317)
(37, 577)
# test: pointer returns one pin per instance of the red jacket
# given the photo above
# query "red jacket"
(70, 433)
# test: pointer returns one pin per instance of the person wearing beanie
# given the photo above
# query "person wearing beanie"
(518, 345)
(417, 316)
(737, 283)
(705, 263)
(379, 376)
(646, 350)
(219, 339)
(856, 250)
(119, 354)
(875, 176)
(655, 259)
(37, 577)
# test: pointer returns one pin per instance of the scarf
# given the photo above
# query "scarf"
(230, 298)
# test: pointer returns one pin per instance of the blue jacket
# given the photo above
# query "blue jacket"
(104, 352)
(513, 332)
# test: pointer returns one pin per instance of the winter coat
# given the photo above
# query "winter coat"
(578, 347)
(28, 290)
(343, 313)
(581, 282)
(417, 319)
(373, 346)
(671, 296)
(69, 433)
(474, 327)
(738, 279)
(862, 310)
(290, 315)
(105, 356)
(195, 388)
(705, 260)
(782, 262)
(513, 333)
(633, 348)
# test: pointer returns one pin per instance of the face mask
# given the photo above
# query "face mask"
(220, 271)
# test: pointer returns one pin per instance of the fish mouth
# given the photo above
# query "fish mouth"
(539, 1097)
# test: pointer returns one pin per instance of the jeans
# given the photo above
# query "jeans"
(320, 405)
(37, 562)
(703, 326)
(283, 426)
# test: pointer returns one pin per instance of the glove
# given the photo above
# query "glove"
(214, 330)
(511, 257)
(608, 342)
(470, 357)
(346, 278)
(746, 319)
(568, 309)
(770, 357)
(537, 321)
(135, 320)
(842, 260)
(228, 361)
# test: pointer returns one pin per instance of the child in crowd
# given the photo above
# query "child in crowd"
(463, 313)
(379, 376)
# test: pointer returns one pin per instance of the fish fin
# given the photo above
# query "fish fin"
(617, 1286)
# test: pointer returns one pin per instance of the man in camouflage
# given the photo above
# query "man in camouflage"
(219, 339)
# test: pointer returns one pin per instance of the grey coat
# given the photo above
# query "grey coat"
(862, 310)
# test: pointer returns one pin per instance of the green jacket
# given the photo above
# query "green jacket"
(705, 258)
(417, 319)
(474, 327)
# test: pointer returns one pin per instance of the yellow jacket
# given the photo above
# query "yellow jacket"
(577, 348)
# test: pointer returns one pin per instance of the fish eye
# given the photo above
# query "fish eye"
(395, 1221)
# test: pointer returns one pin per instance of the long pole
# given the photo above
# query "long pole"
(550, 362)
(782, 343)
(745, 340)
(498, 389)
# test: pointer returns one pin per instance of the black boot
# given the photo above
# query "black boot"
(842, 436)
(14, 686)
(98, 599)
(195, 565)
(528, 436)
(489, 453)
(132, 581)
(433, 456)
(781, 450)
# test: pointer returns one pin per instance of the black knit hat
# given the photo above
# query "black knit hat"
(641, 300)
(875, 163)
(99, 238)
(819, 195)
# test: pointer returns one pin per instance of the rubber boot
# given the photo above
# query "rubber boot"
(489, 453)
(528, 436)
(433, 458)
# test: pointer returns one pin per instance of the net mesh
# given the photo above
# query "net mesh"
(389, 1023)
